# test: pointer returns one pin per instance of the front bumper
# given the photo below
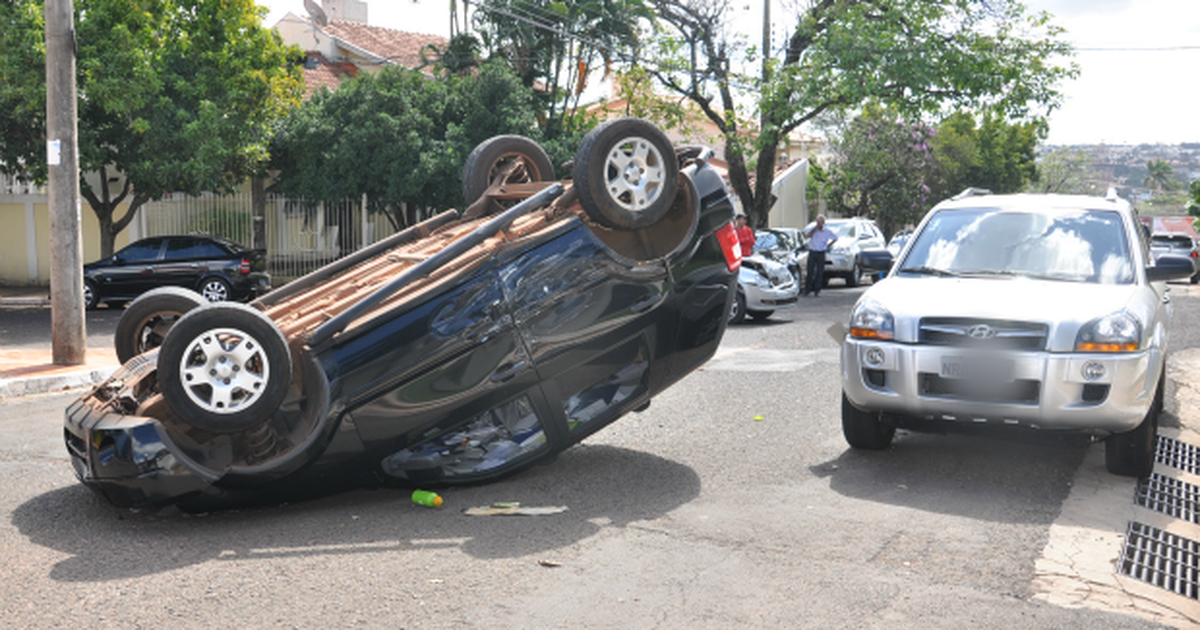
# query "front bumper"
(1044, 390)
(839, 262)
(774, 298)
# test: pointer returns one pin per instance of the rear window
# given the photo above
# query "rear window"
(1172, 240)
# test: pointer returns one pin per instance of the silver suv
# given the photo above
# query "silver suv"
(1041, 311)
(855, 235)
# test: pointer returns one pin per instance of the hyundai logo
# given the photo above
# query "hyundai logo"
(981, 332)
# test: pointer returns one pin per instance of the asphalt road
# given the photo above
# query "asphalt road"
(692, 514)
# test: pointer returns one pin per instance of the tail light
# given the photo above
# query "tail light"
(727, 236)
(245, 266)
(1194, 254)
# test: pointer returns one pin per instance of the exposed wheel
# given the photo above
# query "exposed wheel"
(759, 315)
(737, 312)
(1131, 454)
(626, 174)
(863, 429)
(852, 279)
(215, 289)
(489, 161)
(224, 368)
(146, 320)
(1194, 279)
(90, 297)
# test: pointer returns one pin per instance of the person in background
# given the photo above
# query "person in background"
(745, 236)
(820, 238)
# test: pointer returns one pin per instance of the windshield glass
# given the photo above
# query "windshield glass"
(767, 240)
(1074, 246)
(843, 230)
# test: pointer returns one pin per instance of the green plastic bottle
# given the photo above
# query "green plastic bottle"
(427, 498)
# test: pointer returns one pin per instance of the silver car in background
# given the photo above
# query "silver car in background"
(1040, 311)
(1176, 244)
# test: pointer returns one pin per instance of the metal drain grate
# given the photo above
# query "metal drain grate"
(1162, 559)
(1176, 454)
(1169, 496)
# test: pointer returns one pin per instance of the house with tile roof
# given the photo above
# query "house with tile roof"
(338, 43)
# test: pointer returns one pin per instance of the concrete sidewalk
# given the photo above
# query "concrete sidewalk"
(33, 371)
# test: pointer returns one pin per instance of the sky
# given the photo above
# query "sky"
(1137, 58)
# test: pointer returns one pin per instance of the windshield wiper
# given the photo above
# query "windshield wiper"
(930, 271)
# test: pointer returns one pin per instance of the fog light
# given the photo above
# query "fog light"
(1093, 370)
(874, 357)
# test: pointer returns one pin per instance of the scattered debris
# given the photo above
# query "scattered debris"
(549, 563)
(513, 510)
(426, 498)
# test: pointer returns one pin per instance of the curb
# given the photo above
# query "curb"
(24, 301)
(23, 386)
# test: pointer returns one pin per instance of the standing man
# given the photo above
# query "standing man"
(745, 236)
(820, 239)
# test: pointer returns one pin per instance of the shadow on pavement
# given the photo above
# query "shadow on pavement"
(602, 486)
(1019, 478)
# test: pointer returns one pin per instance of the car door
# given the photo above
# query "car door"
(591, 321)
(185, 260)
(132, 271)
(416, 380)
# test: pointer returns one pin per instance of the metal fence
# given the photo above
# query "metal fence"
(300, 236)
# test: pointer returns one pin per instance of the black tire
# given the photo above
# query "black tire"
(737, 311)
(146, 320)
(760, 315)
(215, 289)
(865, 430)
(1194, 279)
(91, 297)
(852, 279)
(224, 368)
(493, 155)
(626, 174)
(1131, 454)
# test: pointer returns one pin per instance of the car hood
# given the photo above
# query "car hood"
(1063, 306)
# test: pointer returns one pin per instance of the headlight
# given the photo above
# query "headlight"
(1116, 332)
(839, 249)
(752, 279)
(870, 320)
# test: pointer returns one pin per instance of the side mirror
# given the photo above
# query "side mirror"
(875, 260)
(1170, 268)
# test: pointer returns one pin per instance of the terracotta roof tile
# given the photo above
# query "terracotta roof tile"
(400, 47)
(319, 72)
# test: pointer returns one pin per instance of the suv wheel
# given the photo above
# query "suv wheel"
(1131, 454)
(864, 429)
(626, 174)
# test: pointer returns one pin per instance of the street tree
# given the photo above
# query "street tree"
(398, 137)
(879, 167)
(1067, 171)
(992, 153)
(555, 45)
(174, 95)
(916, 56)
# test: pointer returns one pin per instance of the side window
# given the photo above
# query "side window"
(141, 251)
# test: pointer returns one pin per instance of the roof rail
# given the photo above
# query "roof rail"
(971, 192)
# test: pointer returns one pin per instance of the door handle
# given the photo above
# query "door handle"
(509, 372)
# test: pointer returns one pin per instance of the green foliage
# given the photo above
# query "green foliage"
(879, 169)
(553, 45)
(1193, 202)
(919, 57)
(175, 95)
(398, 137)
(1160, 176)
(1065, 171)
(995, 154)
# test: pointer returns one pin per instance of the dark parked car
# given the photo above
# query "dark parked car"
(1176, 244)
(460, 350)
(214, 267)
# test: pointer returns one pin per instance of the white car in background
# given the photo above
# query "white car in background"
(855, 235)
(1042, 311)
(764, 286)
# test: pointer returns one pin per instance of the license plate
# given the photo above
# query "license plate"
(980, 369)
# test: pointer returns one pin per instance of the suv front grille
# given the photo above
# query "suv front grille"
(982, 333)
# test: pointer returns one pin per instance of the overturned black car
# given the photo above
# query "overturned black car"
(461, 350)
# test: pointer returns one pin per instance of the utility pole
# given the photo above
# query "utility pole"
(67, 325)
